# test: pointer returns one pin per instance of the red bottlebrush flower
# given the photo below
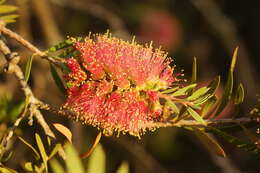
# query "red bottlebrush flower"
(121, 92)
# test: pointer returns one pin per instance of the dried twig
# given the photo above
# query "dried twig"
(12, 67)
(28, 45)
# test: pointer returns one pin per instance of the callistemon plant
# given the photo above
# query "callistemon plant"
(122, 86)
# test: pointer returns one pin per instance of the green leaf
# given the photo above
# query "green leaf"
(57, 79)
(73, 162)
(172, 105)
(97, 161)
(194, 71)
(7, 9)
(28, 166)
(123, 168)
(195, 115)
(214, 85)
(226, 95)
(184, 90)
(69, 52)
(170, 90)
(42, 150)
(240, 94)
(210, 143)
(55, 150)
(6, 156)
(234, 60)
(64, 44)
(37, 155)
(234, 140)
(229, 86)
(28, 68)
(202, 99)
(7, 170)
(9, 21)
(49, 141)
(208, 106)
(9, 17)
(56, 167)
(198, 93)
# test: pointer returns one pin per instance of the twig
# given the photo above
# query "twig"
(28, 45)
(208, 122)
(180, 123)
(10, 133)
(12, 67)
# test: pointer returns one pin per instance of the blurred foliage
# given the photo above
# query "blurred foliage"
(174, 150)
(5, 10)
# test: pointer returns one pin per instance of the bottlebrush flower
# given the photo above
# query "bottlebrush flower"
(115, 84)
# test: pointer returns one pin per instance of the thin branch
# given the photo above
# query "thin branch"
(28, 45)
(12, 67)
(181, 123)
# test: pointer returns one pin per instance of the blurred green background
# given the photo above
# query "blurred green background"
(207, 29)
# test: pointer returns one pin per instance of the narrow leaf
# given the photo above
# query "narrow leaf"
(7, 9)
(7, 21)
(210, 143)
(240, 94)
(8, 17)
(7, 170)
(97, 161)
(229, 86)
(195, 115)
(55, 150)
(213, 85)
(64, 130)
(7, 157)
(226, 95)
(184, 90)
(86, 154)
(170, 90)
(208, 106)
(57, 79)
(28, 68)
(28, 166)
(42, 150)
(73, 162)
(69, 52)
(194, 71)
(202, 99)
(62, 45)
(234, 60)
(37, 155)
(198, 93)
(56, 167)
(123, 168)
(234, 140)
(172, 105)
